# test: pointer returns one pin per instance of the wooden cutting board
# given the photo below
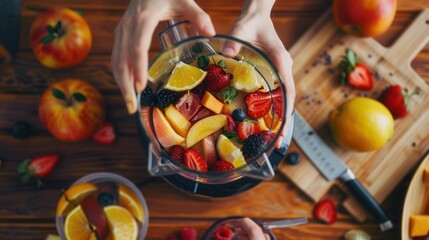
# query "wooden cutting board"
(316, 56)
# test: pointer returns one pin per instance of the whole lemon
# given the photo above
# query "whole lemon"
(361, 124)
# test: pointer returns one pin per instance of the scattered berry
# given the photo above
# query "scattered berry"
(238, 114)
(221, 166)
(106, 199)
(105, 135)
(397, 100)
(177, 153)
(165, 98)
(224, 233)
(147, 97)
(293, 158)
(247, 128)
(356, 74)
(325, 211)
(189, 233)
(38, 167)
(230, 124)
(172, 237)
(252, 146)
(193, 160)
(216, 79)
(21, 129)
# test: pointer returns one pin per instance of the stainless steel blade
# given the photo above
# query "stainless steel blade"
(320, 154)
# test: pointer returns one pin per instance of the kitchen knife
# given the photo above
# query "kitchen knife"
(332, 167)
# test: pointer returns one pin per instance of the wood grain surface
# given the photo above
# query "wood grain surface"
(28, 213)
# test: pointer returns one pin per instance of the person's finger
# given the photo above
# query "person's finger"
(232, 48)
(251, 228)
(121, 68)
(139, 50)
(198, 18)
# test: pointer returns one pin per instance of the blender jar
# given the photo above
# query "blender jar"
(180, 44)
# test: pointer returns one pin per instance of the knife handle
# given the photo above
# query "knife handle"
(367, 200)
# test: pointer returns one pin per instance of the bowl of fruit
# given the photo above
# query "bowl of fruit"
(210, 118)
(102, 206)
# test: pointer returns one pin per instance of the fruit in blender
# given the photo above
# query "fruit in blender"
(185, 77)
(193, 160)
(230, 152)
(188, 105)
(210, 102)
(246, 78)
(204, 127)
(179, 123)
(164, 131)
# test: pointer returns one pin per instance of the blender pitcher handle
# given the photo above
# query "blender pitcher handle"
(262, 171)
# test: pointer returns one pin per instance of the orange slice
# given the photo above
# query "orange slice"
(73, 197)
(122, 224)
(246, 78)
(77, 226)
(129, 200)
(185, 77)
(229, 152)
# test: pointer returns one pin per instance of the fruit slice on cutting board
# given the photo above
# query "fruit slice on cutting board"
(179, 123)
(164, 131)
(246, 78)
(77, 226)
(205, 127)
(73, 197)
(130, 201)
(121, 222)
(229, 152)
(185, 77)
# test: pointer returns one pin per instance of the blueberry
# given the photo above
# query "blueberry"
(238, 115)
(106, 199)
(293, 158)
(21, 130)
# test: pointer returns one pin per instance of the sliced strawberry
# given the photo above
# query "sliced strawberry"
(189, 233)
(258, 104)
(247, 128)
(279, 107)
(360, 77)
(267, 136)
(216, 78)
(193, 160)
(38, 167)
(397, 100)
(188, 105)
(325, 211)
(177, 153)
(221, 166)
(224, 233)
(230, 124)
(105, 135)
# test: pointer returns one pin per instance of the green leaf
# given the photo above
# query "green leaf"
(47, 39)
(351, 57)
(198, 48)
(39, 183)
(26, 177)
(228, 95)
(23, 167)
(59, 94)
(50, 29)
(343, 78)
(222, 64)
(79, 97)
(230, 134)
(203, 61)
(58, 27)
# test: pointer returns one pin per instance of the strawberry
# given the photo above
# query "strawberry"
(278, 102)
(38, 167)
(177, 153)
(105, 135)
(258, 104)
(217, 78)
(397, 100)
(358, 75)
(189, 233)
(325, 211)
(193, 160)
(221, 166)
(230, 124)
(247, 128)
(224, 233)
(267, 136)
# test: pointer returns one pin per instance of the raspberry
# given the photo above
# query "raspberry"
(165, 98)
(253, 145)
(177, 153)
(224, 233)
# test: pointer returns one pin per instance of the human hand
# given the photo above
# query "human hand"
(254, 25)
(249, 230)
(133, 37)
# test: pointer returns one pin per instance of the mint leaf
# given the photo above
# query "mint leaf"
(230, 134)
(222, 64)
(79, 97)
(203, 62)
(228, 95)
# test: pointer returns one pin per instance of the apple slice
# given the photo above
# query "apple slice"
(179, 123)
(163, 130)
(205, 127)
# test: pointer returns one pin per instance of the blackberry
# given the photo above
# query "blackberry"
(253, 145)
(21, 130)
(147, 97)
(293, 158)
(165, 98)
(238, 115)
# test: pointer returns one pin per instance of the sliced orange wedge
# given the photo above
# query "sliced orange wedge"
(122, 224)
(129, 200)
(77, 226)
(73, 197)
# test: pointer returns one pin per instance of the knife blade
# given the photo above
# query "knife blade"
(332, 167)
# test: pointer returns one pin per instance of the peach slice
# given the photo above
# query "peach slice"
(205, 127)
(164, 131)
(179, 123)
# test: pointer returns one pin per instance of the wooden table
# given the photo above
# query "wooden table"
(28, 213)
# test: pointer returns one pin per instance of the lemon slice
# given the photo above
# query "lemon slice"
(229, 152)
(76, 226)
(246, 78)
(121, 222)
(74, 196)
(162, 64)
(130, 201)
(185, 77)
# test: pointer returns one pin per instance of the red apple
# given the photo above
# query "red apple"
(72, 110)
(365, 18)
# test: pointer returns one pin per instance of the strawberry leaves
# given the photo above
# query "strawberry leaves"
(356, 74)
(53, 32)
(347, 65)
